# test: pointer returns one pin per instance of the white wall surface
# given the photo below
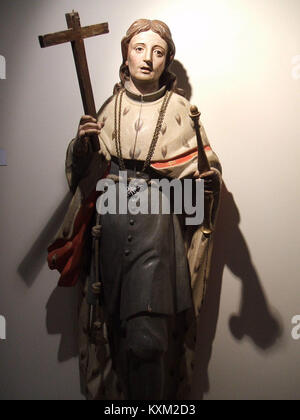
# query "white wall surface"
(242, 60)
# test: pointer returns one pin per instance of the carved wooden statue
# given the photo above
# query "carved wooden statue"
(143, 276)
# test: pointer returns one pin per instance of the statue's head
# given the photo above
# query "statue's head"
(163, 31)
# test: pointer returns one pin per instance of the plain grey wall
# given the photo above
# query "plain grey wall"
(240, 61)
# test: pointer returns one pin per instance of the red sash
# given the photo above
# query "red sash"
(66, 255)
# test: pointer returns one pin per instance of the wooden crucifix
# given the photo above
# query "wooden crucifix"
(76, 34)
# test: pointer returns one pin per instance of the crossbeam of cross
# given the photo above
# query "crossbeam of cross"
(76, 34)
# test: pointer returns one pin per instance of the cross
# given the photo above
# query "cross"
(76, 34)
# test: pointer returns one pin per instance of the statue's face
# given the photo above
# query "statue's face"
(146, 58)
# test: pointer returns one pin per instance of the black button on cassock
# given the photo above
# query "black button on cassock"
(131, 221)
(126, 252)
(129, 238)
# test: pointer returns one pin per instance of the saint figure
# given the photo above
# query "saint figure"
(143, 275)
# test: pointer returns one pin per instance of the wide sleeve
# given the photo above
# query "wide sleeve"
(76, 166)
(80, 167)
(213, 159)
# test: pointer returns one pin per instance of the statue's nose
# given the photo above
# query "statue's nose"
(148, 56)
(149, 63)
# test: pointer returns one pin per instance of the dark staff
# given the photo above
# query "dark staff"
(203, 166)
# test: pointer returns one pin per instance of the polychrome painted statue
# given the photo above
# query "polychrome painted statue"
(143, 274)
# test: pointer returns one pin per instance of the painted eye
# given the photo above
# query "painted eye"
(159, 53)
(139, 49)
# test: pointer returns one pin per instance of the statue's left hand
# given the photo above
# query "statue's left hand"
(211, 179)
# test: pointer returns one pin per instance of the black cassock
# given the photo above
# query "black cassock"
(145, 277)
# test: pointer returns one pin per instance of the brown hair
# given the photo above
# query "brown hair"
(143, 25)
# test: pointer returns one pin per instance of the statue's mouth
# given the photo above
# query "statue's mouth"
(146, 69)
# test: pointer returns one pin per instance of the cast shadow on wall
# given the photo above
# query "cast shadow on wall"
(182, 78)
(255, 318)
(35, 259)
(62, 305)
